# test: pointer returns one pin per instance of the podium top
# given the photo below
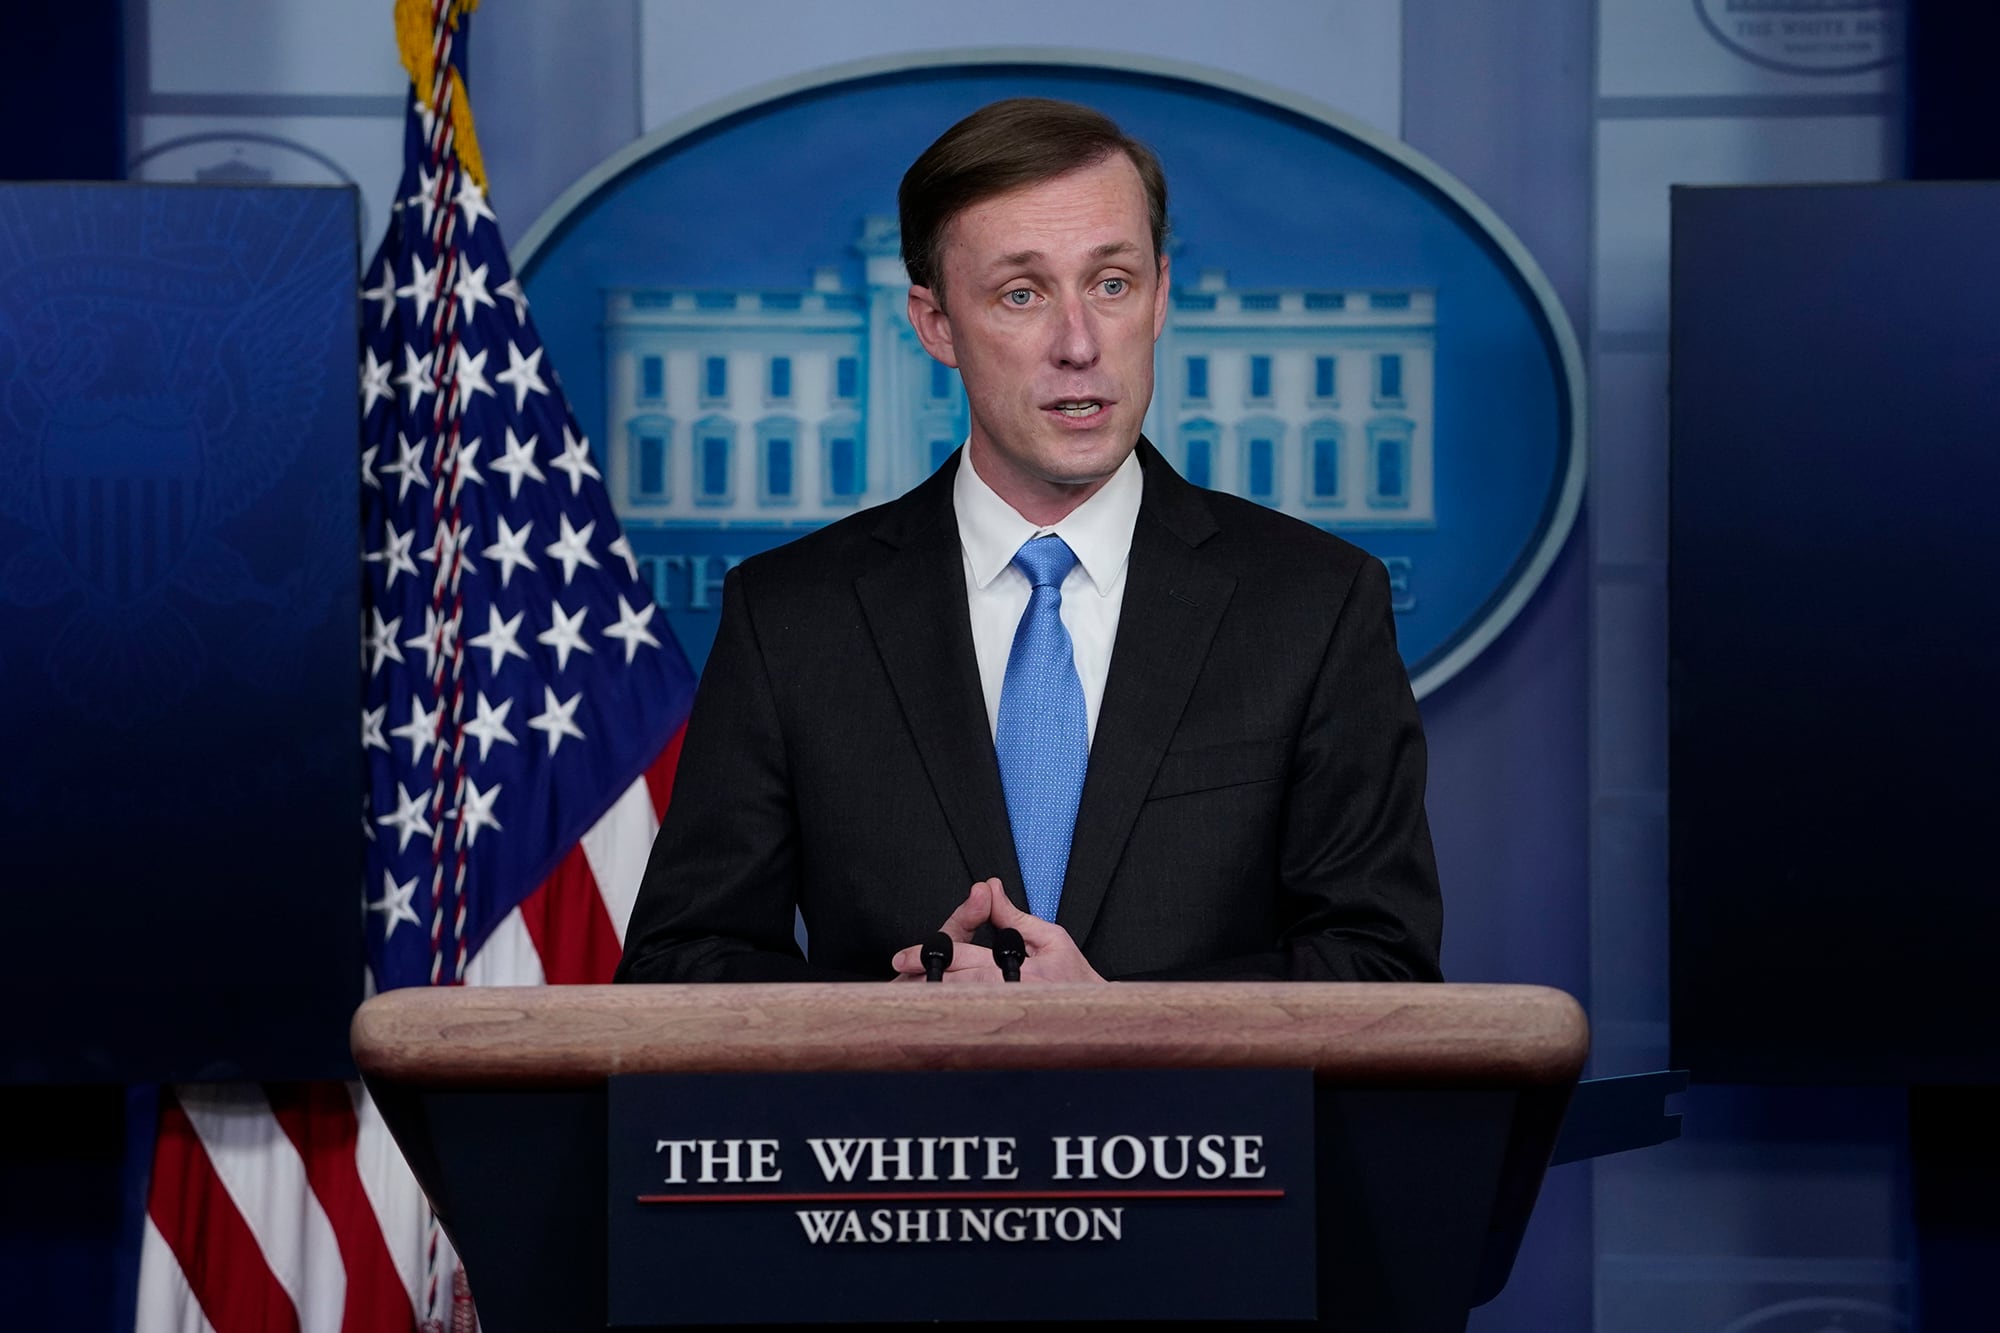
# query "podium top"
(1368, 1033)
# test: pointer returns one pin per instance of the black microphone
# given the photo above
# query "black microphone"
(1008, 952)
(937, 956)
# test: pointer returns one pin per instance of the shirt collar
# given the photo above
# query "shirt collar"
(1099, 530)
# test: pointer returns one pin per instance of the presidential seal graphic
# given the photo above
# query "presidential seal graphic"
(1351, 339)
(163, 354)
(1808, 36)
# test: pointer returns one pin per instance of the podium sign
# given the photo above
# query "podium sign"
(1024, 1195)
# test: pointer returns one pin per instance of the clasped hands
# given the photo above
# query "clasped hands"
(1052, 954)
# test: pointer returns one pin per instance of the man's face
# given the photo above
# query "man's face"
(1054, 300)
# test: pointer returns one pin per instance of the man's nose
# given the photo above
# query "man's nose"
(1076, 346)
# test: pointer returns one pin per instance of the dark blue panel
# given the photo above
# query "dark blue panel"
(62, 97)
(179, 852)
(1835, 633)
(1950, 97)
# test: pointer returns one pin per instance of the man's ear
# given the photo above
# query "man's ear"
(932, 324)
(1160, 298)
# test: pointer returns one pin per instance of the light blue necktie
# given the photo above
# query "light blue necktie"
(1043, 740)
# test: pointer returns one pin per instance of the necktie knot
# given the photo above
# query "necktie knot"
(1046, 560)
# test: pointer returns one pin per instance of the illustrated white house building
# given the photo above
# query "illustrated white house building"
(1315, 402)
(795, 406)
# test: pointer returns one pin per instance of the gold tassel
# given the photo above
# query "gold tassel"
(413, 40)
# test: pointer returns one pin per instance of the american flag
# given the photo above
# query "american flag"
(521, 716)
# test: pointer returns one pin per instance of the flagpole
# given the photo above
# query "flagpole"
(441, 112)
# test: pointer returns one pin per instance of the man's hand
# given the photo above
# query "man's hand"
(969, 962)
(1052, 954)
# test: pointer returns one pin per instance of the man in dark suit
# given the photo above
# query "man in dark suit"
(1160, 731)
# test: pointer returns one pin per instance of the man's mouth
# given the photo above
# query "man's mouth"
(1078, 408)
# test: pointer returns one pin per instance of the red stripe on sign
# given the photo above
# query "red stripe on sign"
(660, 777)
(214, 1246)
(571, 930)
(905, 1196)
(319, 1120)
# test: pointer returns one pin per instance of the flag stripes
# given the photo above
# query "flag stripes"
(311, 1182)
(319, 1120)
(266, 1179)
(214, 1246)
(167, 1301)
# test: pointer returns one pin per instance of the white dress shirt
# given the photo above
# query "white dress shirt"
(1100, 532)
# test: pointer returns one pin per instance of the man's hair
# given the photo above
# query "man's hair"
(1005, 146)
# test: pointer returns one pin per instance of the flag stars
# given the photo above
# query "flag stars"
(511, 289)
(408, 819)
(385, 292)
(470, 372)
(572, 548)
(523, 374)
(499, 641)
(631, 628)
(470, 289)
(394, 904)
(429, 351)
(565, 635)
(464, 468)
(371, 728)
(519, 462)
(471, 201)
(421, 731)
(423, 366)
(409, 467)
(622, 548)
(512, 548)
(426, 196)
(451, 541)
(575, 461)
(416, 377)
(436, 640)
(475, 811)
(374, 381)
(381, 646)
(422, 286)
(395, 553)
(491, 724)
(557, 720)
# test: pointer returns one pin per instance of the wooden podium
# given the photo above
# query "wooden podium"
(1436, 1107)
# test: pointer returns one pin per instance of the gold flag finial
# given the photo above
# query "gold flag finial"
(417, 41)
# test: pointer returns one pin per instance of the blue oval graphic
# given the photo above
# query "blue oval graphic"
(1353, 338)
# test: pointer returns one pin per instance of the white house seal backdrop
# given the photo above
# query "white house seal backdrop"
(1352, 339)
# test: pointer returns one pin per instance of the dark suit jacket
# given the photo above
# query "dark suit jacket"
(1254, 806)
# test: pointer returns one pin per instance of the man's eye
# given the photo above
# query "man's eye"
(1020, 296)
(1114, 286)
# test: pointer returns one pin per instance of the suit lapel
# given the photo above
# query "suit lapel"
(1173, 602)
(916, 609)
